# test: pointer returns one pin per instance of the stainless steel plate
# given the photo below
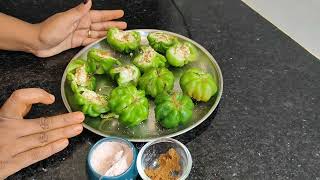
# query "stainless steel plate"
(149, 129)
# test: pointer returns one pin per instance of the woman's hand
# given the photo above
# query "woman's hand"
(79, 26)
(24, 142)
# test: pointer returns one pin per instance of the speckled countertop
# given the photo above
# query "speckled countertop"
(267, 125)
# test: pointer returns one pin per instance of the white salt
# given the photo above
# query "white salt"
(111, 158)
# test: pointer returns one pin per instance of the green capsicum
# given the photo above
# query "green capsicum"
(130, 104)
(149, 58)
(161, 41)
(156, 81)
(100, 61)
(181, 53)
(125, 74)
(78, 74)
(197, 84)
(173, 110)
(123, 41)
(92, 104)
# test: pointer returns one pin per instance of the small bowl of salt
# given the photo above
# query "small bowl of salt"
(112, 158)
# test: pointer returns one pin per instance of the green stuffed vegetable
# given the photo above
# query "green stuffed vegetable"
(181, 54)
(149, 58)
(130, 104)
(123, 41)
(100, 61)
(161, 41)
(79, 76)
(156, 81)
(197, 84)
(92, 104)
(125, 74)
(173, 110)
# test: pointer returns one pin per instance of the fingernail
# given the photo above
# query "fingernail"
(78, 128)
(62, 144)
(65, 143)
(85, 1)
(80, 116)
(51, 97)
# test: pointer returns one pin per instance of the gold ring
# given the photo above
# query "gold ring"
(89, 33)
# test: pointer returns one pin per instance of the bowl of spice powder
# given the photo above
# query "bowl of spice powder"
(165, 158)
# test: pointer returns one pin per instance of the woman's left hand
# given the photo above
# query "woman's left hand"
(78, 26)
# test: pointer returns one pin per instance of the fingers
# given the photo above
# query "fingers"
(98, 34)
(83, 34)
(41, 139)
(49, 123)
(77, 12)
(81, 37)
(20, 102)
(105, 15)
(88, 41)
(102, 26)
(32, 156)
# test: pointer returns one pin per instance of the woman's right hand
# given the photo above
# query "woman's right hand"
(26, 141)
(76, 27)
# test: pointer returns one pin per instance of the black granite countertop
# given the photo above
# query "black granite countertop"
(267, 125)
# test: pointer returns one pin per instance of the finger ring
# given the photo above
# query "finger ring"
(89, 33)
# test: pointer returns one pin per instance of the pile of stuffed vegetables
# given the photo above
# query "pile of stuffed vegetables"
(147, 77)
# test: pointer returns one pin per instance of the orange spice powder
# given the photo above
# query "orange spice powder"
(168, 166)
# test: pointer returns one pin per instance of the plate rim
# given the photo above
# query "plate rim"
(217, 101)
